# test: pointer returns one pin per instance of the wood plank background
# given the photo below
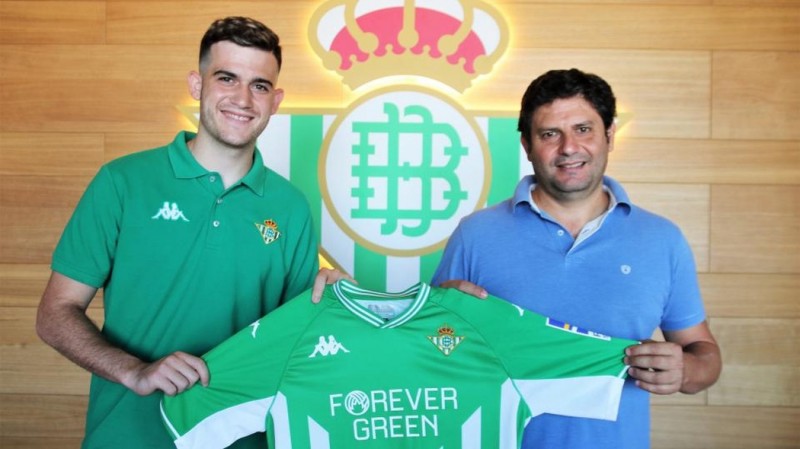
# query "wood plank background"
(711, 86)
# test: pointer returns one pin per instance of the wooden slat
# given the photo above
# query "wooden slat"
(705, 161)
(38, 369)
(761, 362)
(19, 324)
(50, 154)
(42, 416)
(127, 106)
(173, 22)
(774, 385)
(686, 205)
(756, 94)
(35, 210)
(751, 295)
(676, 427)
(667, 27)
(59, 22)
(21, 285)
(755, 229)
(40, 443)
(98, 62)
(665, 94)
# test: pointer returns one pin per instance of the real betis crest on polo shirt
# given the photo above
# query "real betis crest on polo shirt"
(390, 175)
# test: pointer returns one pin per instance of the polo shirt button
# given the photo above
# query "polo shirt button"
(219, 200)
(215, 223)
(560, 232)
(212, 178)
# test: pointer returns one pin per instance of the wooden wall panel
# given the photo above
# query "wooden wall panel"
(58, 22)
(655, 27)
(705, 161)
(643, 82)
(755, 229)
(40, 443)
(50, 154)
(762, 362)
(756, 95)
(21, 285)
(676, 427)
(35, 210)
(41, 415)
(743, 295)
(686, 205)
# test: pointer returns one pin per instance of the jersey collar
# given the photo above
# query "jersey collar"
(347, 293)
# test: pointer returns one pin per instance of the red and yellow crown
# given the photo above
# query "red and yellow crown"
(446, 330)
(452, 41)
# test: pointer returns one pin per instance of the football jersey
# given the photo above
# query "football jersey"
(426, 368)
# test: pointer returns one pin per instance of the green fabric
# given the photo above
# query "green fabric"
(424, 368)
(184, 263)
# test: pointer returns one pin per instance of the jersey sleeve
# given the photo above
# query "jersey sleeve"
(245, 375)
(87, 246)
(553, 366)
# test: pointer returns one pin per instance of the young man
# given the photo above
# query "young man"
(191, 242)
(570, 245)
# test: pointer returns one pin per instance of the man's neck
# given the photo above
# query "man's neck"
(232, 164)
(572, 213)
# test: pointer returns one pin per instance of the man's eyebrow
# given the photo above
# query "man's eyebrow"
(235, 76)
(226, 73)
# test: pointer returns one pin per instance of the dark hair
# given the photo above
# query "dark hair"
(561, 84)
(242, 31)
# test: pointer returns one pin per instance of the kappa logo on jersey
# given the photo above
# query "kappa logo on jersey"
(447, 340)
(255, 328)
(268, 231)
(327, 347)
(170, 212)
(575, 329)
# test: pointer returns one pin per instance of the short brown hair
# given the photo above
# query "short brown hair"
(242, 31)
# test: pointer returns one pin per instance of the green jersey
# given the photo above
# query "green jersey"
(424, 368)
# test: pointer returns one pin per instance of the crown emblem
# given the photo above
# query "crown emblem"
(268, 230)
(452, 41)
(446, 330)
(447, 340)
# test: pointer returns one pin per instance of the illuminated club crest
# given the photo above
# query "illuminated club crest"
(401, 165)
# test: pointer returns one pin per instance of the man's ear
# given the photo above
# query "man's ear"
(195, 84)
(526, 146)
(610, 133)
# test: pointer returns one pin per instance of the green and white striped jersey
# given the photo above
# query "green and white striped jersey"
(425, 368)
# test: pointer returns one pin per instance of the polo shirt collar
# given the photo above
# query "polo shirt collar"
(185, 166)
(522, 194)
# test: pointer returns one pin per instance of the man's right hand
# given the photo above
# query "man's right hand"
(171, 374)
(466, 287)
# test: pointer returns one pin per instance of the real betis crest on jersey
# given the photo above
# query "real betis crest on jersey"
(390, 174)
(447, 340)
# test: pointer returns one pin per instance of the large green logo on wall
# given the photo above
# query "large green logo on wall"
(390, 175)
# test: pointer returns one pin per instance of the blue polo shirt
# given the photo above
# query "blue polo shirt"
(630, 273)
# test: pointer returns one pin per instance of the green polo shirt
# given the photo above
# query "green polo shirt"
(185, 263)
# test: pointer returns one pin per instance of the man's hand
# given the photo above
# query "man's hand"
(171, 374)
(656, 366)
(466, 287)
(324, 277)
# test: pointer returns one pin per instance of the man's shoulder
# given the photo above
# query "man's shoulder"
(139, 159)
